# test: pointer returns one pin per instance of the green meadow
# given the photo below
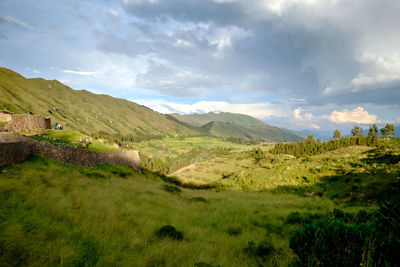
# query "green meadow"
(252, 213)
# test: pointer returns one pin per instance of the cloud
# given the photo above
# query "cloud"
(14, 21)
(83, 73)
(357, 115)
(259, 110)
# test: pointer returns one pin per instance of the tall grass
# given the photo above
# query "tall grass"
(53, 213)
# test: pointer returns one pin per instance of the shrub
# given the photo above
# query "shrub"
(204, 264)
(171, 188)
(294, 217)
(343, 239)
(168, 231)
(261, 252)
(234, 231)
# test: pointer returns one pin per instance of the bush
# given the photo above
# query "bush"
(168, 231)
(294, 217)
(343, 239)
(234, 231)
(171, 188)
(260, 252)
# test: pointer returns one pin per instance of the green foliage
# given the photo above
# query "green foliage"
(356, 131)
(311, 147)
(388, 130)
(171, 188)
(351, 239)
(237, 127)
(261, 252)
(168, 231)
(336, 134)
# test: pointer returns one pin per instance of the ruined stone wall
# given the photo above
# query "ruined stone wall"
(3, 127)
(22, 122)
(4, 117)
(12, 149)
(14, 145)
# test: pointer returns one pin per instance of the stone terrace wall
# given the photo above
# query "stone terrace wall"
(4, 117)
(22, 122)
(63, 153)
(11, 153)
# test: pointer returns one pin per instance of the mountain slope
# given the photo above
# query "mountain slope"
(84, 111)
(202, 119)
(226, 124)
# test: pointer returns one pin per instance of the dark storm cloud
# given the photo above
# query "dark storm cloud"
(300, 48)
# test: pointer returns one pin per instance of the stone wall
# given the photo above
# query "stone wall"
(22, 122)
(24, 146)
(5, 117)
(15, 152)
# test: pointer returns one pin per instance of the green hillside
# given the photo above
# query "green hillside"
(202, 119)
(84, 111)
(227, 124)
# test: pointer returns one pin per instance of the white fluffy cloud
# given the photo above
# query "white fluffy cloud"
(260, 110)
(357, 115)
(83, 73)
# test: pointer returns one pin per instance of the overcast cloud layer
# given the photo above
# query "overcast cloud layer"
(316, 64)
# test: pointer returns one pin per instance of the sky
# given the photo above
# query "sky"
(298, 64)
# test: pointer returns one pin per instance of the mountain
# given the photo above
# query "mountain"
(84, 111)
(227, 124)
(202, 119)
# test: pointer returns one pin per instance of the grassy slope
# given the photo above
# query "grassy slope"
(107, 215)
(71, 137)
(86, 112)
(266, 132)
(353, 173)
(227, 124)
(201, 119)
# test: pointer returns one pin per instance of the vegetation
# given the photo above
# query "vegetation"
(312, 147)
(84, 111)
(345, 239)
(113, 215)
(308, 203)
(74, 139)
(225, 124)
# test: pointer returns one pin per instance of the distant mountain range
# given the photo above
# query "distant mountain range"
(225, 124)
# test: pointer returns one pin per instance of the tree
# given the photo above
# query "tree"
(388, 130)
(355, 131)
(336, 134)
(372, 135)
(373, 130)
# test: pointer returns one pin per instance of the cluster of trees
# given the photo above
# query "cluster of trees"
(242, 141)
(310, 146)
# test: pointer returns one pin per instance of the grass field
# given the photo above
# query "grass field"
(54, 213)
(108, 215)
(175, 146)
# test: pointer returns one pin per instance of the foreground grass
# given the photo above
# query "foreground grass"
(53, 213)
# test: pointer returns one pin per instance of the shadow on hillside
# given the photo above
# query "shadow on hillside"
(381, 156)
(375, 184)
(175, 181)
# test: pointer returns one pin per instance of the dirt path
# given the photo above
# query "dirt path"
(191, 166)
